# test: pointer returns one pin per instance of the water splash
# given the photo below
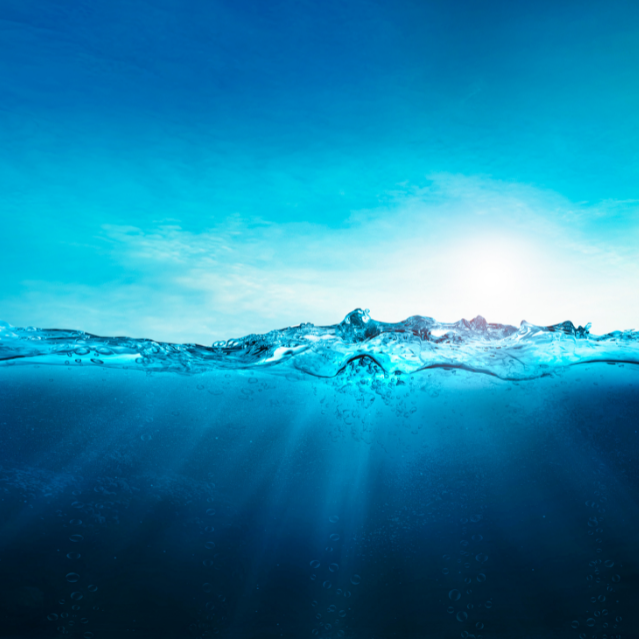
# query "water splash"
(416, 344)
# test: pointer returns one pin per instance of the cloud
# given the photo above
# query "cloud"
(460, 246)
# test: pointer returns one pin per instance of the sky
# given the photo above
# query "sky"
(191, 170)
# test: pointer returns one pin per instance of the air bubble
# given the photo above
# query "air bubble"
(73, 577)
(454, 595)
(334, 519)
(315, 564)
(356, 580)
(334, 567)
(76, 596)
(73, 555)
(327, 584)
(52, 616)
(209, 545)
(575, 624)
(334, 537)
(92, 588)
(461, 616)
(481, 577)
(76, 538)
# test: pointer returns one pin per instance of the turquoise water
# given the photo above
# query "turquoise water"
(195, 171)
(362, 480)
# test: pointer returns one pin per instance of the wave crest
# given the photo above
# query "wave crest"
(417, 343)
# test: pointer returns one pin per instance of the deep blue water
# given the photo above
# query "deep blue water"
(364, 480)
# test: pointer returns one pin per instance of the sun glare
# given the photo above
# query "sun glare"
(497, 277)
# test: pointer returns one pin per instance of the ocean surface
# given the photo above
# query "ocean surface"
(364, 480)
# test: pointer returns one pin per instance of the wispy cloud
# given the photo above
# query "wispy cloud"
(459, 247)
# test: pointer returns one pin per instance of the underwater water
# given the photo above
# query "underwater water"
(362, 480)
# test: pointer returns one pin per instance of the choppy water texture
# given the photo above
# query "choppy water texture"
(364, 480)
(417, 344)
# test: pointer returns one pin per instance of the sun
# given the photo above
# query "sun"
(497, 276)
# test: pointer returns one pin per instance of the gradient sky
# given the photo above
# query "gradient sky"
(192, 170)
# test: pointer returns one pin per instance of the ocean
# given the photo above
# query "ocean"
(363, 480)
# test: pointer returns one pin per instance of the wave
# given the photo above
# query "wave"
(416, 344)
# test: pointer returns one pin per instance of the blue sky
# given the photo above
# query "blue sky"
(190, 170)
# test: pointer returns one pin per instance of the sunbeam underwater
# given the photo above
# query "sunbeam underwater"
(366, 479)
